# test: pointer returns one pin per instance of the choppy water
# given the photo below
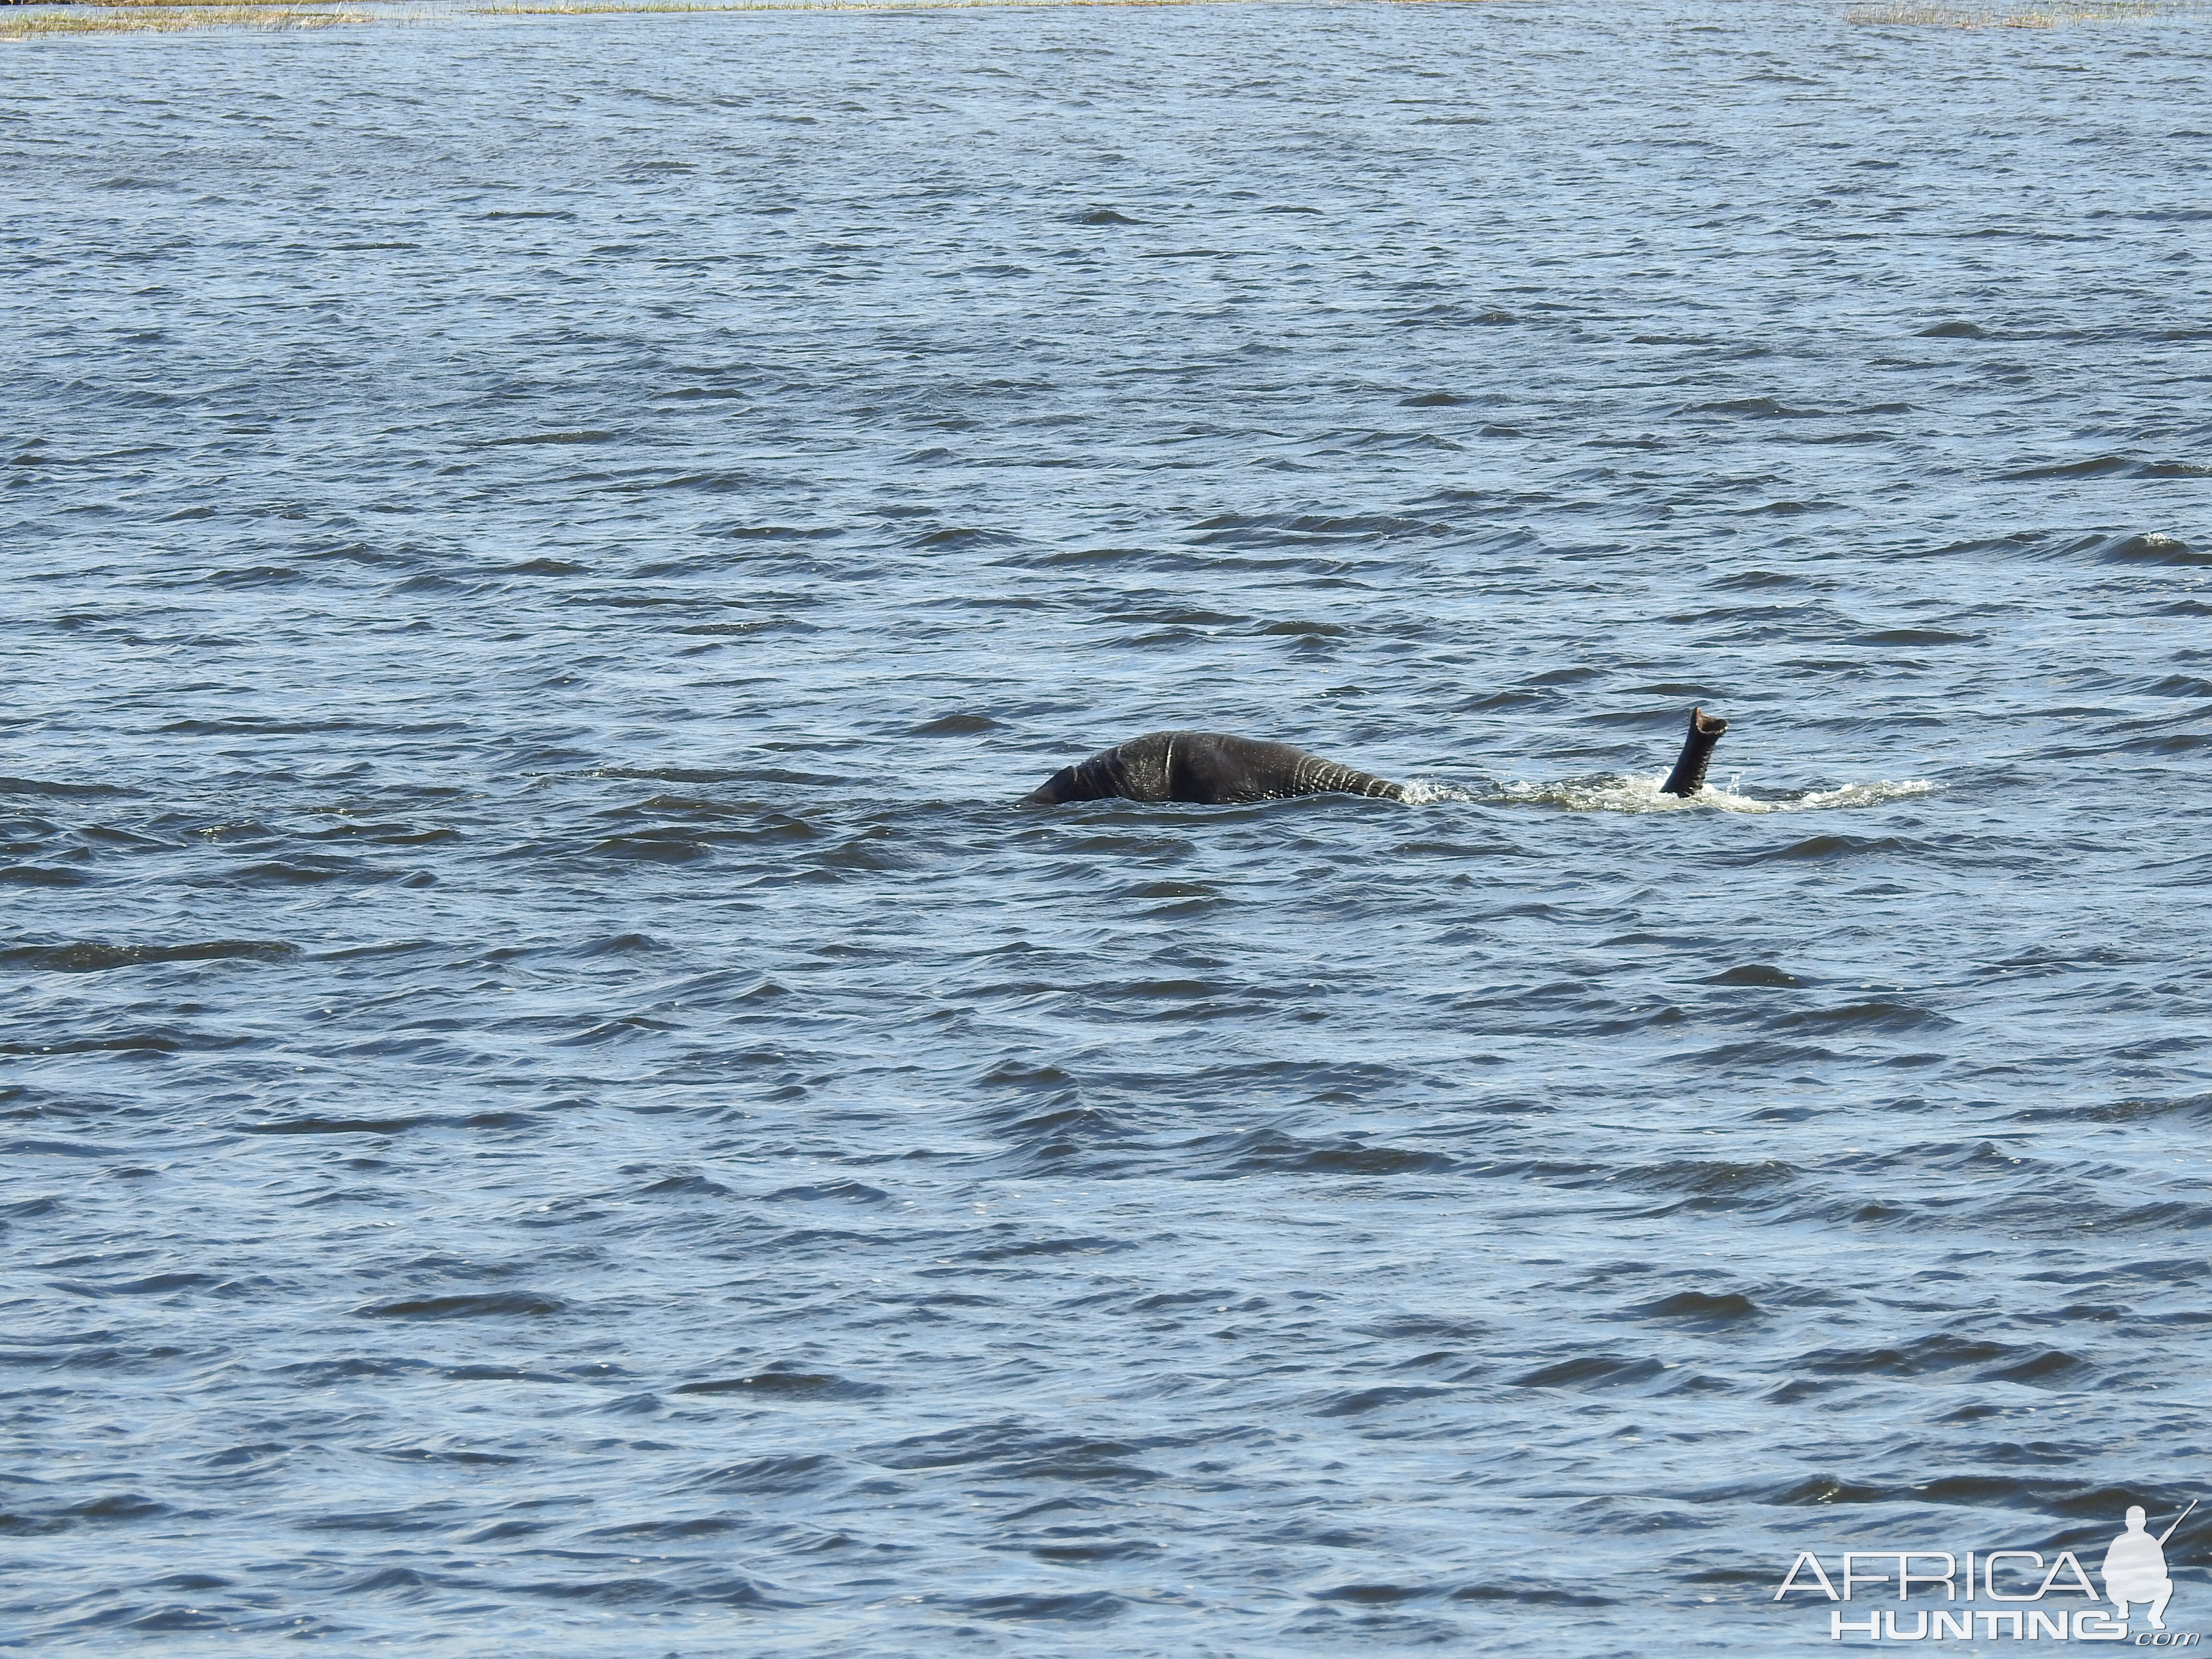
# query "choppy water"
(553, 1106)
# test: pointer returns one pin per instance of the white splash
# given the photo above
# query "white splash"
(1420, 791)
(1644, 794)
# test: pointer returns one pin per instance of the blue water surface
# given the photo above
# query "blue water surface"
(553, 1104)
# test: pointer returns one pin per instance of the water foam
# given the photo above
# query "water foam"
(1615, 793)
(1420, 791)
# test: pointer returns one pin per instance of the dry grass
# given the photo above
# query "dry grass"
(1933, 14)
(612, 7)
(164, 17)
(167, 16)
(183, 5)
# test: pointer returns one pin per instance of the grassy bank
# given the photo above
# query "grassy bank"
(165, 17)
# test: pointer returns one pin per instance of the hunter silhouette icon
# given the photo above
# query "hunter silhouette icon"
(2135, 1567)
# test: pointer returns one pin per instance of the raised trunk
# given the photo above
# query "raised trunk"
(1689, 773)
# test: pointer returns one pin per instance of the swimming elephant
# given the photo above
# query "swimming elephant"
(1208, 769)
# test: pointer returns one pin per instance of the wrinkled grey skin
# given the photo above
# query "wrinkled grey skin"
(1204, 768)
(1689, 773)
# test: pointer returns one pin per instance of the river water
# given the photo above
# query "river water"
(553, 1104)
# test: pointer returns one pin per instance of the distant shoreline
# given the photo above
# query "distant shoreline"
(32, 20)
(36, 19)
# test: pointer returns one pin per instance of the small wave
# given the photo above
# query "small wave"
(1596, 1370)
(578, 436)
(1997, 1362)
(1355, 1403)
(474, 1305)
(1613, 793)
(786, 1385)
(1754, 973)
(2150, 549)
(1072, 1606)
(43, 875)
(387, 1126)
(1867, 1015)
(1699, 1308)
(1768, 406)
(839, 1192)
(955, 725)
(93, 955)
(791, 1472)
(43, 787)
(1271, 1151)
